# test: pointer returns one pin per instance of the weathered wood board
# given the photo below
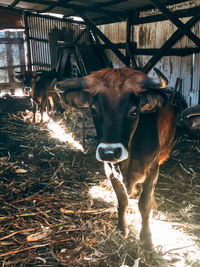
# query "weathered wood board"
(154, 35)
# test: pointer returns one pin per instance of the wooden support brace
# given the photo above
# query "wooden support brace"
(176, 21)
(94, 29)
(168, 44)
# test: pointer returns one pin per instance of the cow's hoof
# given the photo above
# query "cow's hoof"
(145, 240)
(146, 245)
(124, 231)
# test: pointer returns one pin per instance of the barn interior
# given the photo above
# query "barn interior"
(57, 207)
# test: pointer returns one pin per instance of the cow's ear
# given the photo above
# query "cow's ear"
(151, 101)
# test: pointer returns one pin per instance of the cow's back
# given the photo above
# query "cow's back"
(43, 85)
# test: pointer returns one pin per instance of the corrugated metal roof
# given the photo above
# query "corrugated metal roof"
(99, 11)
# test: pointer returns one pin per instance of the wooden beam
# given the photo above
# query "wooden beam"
(93, 28)
(14, 3)
(167, 3)
(9, 58)
(102, 46)
(168, 44)
(105, 12)
(98, 7)
(183, 13)
(27, 39)
(181, 52)
(11, 41)
(12, 67)
(176, 21)
(94, 8)
(8, 86)
(53, 5)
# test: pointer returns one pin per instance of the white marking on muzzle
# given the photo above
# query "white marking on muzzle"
(109, 150)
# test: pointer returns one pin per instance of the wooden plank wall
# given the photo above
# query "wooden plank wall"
(116, 32)
(153, 35)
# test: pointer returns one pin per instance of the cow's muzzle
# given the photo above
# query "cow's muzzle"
(27, 89)
(114, 152)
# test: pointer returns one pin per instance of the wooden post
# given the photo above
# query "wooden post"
(9, 60)
(21, 52)
(129, 54)
(27, 39)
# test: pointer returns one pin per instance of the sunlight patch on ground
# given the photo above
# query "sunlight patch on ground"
(19, 92)
(169, 238)
(59, 132)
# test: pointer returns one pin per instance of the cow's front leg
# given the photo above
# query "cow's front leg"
(50, 98)
(43, 108)
(122, 197)
(35, 108)
(145, 205)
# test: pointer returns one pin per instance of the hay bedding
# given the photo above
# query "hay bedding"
(48, 217)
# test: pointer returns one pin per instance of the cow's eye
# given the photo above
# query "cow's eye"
(94, 110)
(133, 112)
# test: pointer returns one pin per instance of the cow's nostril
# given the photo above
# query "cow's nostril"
(109, 153)
(27, 89)
(117, 152)
(103, 152)
(106, 154)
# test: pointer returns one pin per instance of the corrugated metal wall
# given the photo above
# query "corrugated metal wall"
(39, 29)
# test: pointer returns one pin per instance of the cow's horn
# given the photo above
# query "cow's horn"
(193, 114)
(72, 84)
(152, 84)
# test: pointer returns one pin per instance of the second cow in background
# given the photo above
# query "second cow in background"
(41, 91)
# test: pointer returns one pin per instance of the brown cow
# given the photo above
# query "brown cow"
(135, 128)
(39, 85)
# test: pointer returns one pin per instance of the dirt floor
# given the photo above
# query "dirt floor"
(57, 208)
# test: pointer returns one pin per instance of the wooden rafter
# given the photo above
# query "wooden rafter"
(53, 5)
(96, 8)
(183, 13)
(181, 52)
(167, 3)
(14, 3)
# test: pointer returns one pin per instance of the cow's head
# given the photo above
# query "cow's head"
(118, 97)
(28, 78)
